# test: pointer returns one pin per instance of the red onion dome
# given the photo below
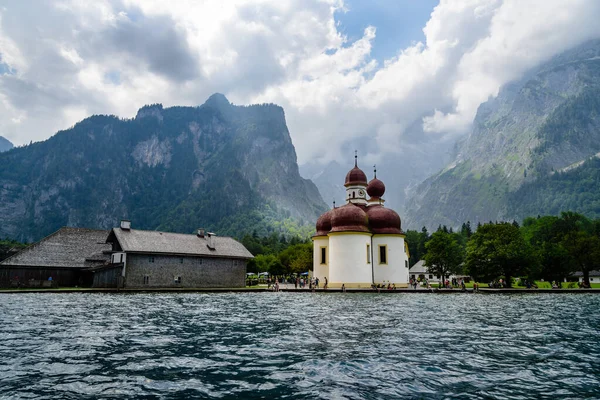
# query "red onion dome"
(383, 220)
(349, 218)
(376, 188)
(356, 177)
(324, 224)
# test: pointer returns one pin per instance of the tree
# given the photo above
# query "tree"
(545, 237)
(584, 247)
(498, 250)
(443, 254)
(297, 258)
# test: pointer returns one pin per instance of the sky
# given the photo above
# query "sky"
(347, 73)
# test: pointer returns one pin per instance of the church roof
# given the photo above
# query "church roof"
(65, 248)
(155, 242)
(355, 176)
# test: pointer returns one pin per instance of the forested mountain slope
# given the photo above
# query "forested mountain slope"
(230, 169)
(524, 146)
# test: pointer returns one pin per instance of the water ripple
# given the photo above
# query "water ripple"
(299, 345)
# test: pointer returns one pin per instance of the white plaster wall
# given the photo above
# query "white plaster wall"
(318, 269)
(395, 271)
(348, 260)
(593, 279)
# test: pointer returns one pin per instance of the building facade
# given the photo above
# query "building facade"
(152, 259)
(361, 243)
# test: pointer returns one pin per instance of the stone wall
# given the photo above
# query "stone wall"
(195, 272)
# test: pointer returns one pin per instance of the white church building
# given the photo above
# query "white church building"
(360, 243)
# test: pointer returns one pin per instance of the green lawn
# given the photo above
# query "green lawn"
(542, 285)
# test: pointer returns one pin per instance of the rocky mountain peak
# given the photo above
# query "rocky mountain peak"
(151, 110)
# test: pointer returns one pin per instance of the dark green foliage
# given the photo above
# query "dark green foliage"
(444, 254)
(9, 247)
(498, 250)
(416, 244)
(279, 255)
(577, 189)
(564, 244)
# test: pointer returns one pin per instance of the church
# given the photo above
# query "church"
(360, 243)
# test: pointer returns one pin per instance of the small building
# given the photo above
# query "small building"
(420, 272)
(153, 259)
(594, 276)
(60, 259)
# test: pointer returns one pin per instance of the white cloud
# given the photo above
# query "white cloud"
(114, 56)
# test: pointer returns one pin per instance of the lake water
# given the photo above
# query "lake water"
(299, 345)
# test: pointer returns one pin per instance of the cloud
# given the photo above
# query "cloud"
(113, 56)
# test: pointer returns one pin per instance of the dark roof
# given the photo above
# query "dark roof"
(138, 241)
(65, 248)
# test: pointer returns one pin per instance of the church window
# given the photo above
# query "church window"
(405, 263)
(368, 254)
(323, 255)
(382, 254)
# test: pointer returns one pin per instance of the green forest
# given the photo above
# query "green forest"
(552, 248)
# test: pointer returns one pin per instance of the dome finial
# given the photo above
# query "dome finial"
(375, 170)
(356, 158)
(333, 203)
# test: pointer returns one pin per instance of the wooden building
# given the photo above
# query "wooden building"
(60, 259)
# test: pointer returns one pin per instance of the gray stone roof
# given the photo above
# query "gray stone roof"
(418, 268)
(65, 248)
(593, 273)
(138, 241)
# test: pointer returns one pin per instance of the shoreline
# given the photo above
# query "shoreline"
(291, 290)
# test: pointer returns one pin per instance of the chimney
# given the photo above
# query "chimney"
(210, 241)
(125, 224)
(201, 232)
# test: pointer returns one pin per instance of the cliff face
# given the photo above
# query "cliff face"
(222, 167)
(544, 123)
(5, 144)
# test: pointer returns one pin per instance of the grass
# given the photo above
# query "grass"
(541, 285)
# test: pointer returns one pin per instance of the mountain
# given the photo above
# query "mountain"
(5, 144)
(230, 169)
(526, 144)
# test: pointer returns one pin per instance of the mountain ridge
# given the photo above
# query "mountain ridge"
(223, 167)
(541, 123)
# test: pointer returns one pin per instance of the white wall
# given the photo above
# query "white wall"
(348, 260)
(395, 271)
(320, 270)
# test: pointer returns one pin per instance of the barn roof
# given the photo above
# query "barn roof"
(65, 248)
(155, 242)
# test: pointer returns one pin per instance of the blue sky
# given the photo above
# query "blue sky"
(399, 23)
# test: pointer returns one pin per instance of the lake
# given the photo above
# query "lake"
(299, 345)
